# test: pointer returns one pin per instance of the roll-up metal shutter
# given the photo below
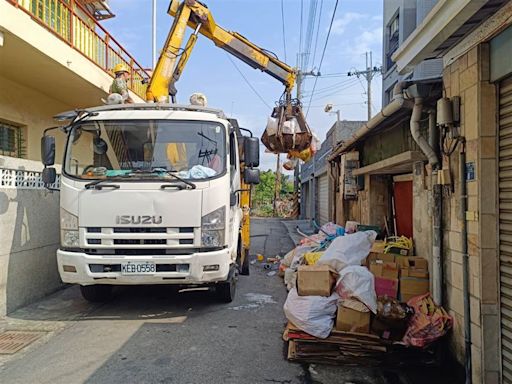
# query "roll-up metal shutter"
(505, 225)
(307, 200)
(322, 204)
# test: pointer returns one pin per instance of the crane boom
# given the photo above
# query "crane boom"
(173, 59)
(200, 19)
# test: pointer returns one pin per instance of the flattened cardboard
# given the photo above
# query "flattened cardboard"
(315, 280)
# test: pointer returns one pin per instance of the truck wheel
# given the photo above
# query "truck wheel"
(96, 293)
(226, 290)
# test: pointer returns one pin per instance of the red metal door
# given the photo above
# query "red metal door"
(403, 207)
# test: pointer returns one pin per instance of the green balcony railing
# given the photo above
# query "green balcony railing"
(72, 23)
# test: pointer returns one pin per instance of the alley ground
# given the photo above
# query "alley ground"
(154, 335)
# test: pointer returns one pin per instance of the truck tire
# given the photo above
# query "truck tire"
(96, 293)
(226, 290)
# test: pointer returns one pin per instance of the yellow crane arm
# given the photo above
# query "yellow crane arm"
(198, 17)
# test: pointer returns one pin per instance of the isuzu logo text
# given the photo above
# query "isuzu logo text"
(127, 219)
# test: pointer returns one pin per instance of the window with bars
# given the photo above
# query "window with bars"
(12, 142)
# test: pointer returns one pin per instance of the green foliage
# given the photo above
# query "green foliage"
(263, 193)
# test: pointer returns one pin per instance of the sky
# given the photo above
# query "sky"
(356, 29)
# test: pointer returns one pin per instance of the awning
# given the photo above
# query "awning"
(401, 163)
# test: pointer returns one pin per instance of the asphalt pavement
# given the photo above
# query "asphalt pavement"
(154, 335)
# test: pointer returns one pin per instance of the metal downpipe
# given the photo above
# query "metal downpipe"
(437, 196)
(463, 198)
(416, 135)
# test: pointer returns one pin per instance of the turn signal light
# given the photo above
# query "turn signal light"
(69, 268)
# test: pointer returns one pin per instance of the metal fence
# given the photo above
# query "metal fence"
(72, 23)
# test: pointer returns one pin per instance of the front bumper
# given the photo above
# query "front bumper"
(195, 274)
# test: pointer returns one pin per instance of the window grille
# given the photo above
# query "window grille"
(12, 141)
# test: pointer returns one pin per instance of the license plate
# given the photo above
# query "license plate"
(134, 268)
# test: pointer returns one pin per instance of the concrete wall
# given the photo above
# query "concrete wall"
(33, 111)
(29, 237)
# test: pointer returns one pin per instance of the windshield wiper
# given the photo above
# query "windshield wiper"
(167, 172)
(189, 183)
(96, 183)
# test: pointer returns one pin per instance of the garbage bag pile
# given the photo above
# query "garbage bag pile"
(351, 282)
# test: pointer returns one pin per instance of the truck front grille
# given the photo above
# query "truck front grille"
(140, 237)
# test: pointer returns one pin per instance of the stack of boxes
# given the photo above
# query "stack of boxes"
(397, 275)
(319, 280)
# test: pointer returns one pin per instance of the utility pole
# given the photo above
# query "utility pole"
(369, 73)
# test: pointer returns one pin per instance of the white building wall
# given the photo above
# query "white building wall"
(29, 235)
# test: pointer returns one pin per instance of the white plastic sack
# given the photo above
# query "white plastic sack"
(271, 126)
(197, 172)
(357, 282)
(312, 314)
(348, 250)
(291, 126)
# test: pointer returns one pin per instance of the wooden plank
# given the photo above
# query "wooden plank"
(401, 163)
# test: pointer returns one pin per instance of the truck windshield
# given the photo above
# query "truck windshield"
(146, 149)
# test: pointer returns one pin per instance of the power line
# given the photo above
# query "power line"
(336, 92)
(323, 52)
(318, 30)
(284, 29)
(299, 55)
(248, 83)
(332, 86)
(313, 5)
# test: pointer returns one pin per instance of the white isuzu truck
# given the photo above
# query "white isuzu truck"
(152, 194)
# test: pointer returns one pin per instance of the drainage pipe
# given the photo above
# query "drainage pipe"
(416, 135)
(437, 197)
(396, 104)
(463, 198)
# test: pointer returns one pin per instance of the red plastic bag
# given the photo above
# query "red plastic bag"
(429, 322)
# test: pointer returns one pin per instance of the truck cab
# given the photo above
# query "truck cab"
(151, 194)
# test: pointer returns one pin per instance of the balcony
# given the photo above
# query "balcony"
(73, 25)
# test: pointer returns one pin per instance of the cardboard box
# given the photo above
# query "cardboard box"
(414, 272)
(386, 287)
(373, 256)
(412, 286)
(384, 269)
(378, 246)
(315, 280)
(352, 320)
(412, 262)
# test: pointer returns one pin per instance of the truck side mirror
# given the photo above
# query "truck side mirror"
(49, 176)
(252, 152)
(251, 176)
(48, 150)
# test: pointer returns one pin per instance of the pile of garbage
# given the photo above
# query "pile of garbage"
(344, 285)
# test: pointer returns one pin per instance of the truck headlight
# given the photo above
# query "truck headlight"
(213, 227)
(68, 230)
